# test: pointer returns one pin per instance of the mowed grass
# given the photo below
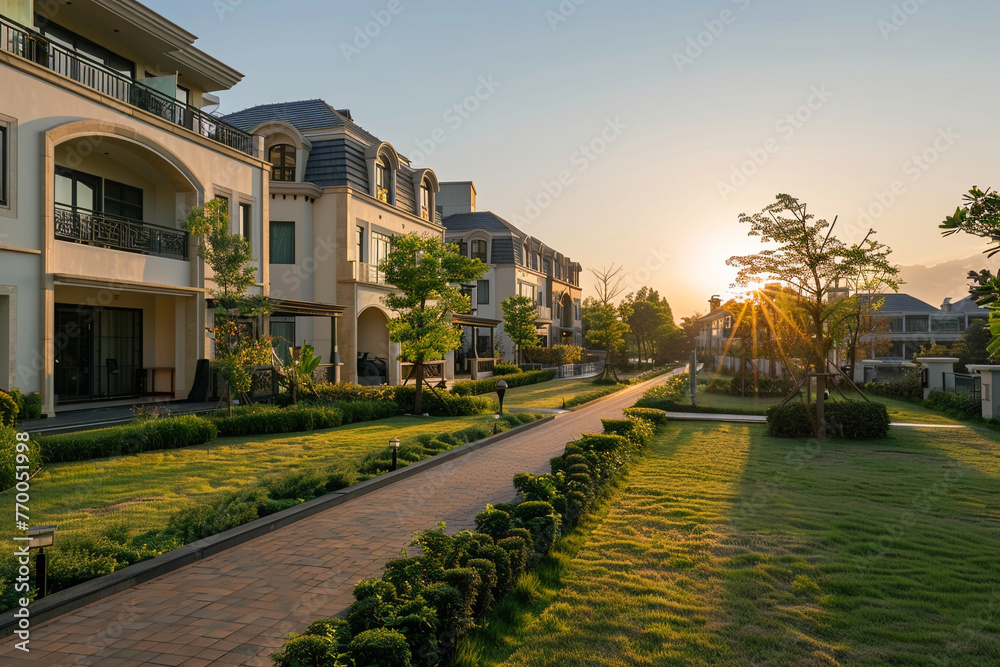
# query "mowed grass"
(547, 394)
(141, 492)
(727, 547)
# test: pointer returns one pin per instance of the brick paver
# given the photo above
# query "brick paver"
(238, 606)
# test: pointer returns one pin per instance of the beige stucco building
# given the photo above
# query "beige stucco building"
(518, 264)
(102, 294)
(338, 195)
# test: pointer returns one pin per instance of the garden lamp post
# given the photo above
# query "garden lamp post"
(40, 537)
(501, 390)
(394, 446)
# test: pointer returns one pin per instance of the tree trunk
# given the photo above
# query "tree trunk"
(820, 400)
(418, 373)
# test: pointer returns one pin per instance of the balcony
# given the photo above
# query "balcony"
(102, 231)
(368, 273)
(28, 44)
(545, 313)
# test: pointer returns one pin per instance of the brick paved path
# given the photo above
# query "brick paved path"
(237, 607)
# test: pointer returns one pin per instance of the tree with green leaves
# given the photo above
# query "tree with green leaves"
(804, 254)
(229, 257)
(426, 275)
(979, 215)
(519, 316)
(651, 322)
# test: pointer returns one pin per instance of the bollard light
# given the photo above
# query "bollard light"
(40, 537)
(501, 390)
(394, 446)
(496, 424)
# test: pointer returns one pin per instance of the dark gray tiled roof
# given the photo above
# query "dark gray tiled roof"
(968, 305)
(484, 220)
(904, 303)
(304, 116)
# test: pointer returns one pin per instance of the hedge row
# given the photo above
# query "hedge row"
(9, 449)
(489, 385)
(851, 420)
(438, 404)
(135, 438)
(421, 605)
(911, 388)
(954, 405)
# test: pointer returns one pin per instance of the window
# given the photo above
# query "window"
(576, 310)
(283, 332)
(282, 159)
(535, 261)
(479, 251)
(482, 292)
(526, 289)
(917, 323)
(75, 189)
(359, 238)
(84, 48)
(895, 324)
(425, 201)
(380, 246)
(547, 267)
(383, 182)
(123, 201)
(246, 223)
(4, 159)
(282, 242)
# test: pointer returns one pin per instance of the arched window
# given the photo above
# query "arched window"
(282, 159)
(479, 250)
(383, 181)
(425, 200)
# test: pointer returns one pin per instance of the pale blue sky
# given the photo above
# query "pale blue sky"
(878, 97)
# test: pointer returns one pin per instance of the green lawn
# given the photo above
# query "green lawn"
(727, 547)
(141, 492)
(547, 394)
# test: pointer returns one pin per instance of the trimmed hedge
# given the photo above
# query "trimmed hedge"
(135, 438)
(13, 454)
(954, 405)
(910, 389)
(489, 385)
(441, 404)
(421, 605)
(850, 420)
(653, 416)
(8, 409)
(266, 419)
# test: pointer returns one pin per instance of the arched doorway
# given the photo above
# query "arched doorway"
(373, 347)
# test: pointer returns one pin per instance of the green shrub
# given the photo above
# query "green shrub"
(589, 396)
(380, 648)
(557, 355)
(135, 438)
(506, 368)
(8, 409)
(13, 454)
(447, 601)
(467, 581)
(910, 388)
(419, 624)
(493, 522)
(961, 407)
(634, 430)
(267, 419)
(309, 650)
(674, 390)
(851, 420)
(655, 417)
(489, 385)
(335, 629)
(488, 584)
(32, 406)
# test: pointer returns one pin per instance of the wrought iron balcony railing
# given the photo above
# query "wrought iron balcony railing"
(27, 43)
(97, 229)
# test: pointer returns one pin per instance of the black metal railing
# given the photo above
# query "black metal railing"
(26, 43)
(106, 231)
(964, 384)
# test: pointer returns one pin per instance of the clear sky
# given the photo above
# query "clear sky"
(665, 120)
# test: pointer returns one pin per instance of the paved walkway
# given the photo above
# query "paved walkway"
(237, 607)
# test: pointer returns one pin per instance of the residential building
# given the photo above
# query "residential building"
(714, 329)
(106, 143)
(338, 195)
(518, 264)
(912, 324)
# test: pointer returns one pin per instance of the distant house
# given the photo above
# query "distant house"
(913, 324)
(518, 264)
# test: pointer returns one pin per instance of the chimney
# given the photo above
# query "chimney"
(946, 306)
(456, 198)
(714, 303)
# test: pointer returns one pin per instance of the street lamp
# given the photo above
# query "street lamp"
(394, 446)
(40, 537)
(501, 390)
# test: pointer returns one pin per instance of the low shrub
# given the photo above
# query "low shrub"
(32, 406)
(309, 650)
(489, 385)
(135, 438)
(439, 404)
(589, 396)
(850, 420)
(8, 409)
(506, 368)
(267, 419)
(960, 407)
(557, 355)
(653, 416)
(15, 454)
(380, 648)
(911, 388)
(675, 390)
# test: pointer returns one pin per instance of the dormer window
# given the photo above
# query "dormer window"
(425, 200)
(282, 159)
(383, 182)
(479, 250)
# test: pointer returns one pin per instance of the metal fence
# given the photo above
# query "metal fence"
(964, 384)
